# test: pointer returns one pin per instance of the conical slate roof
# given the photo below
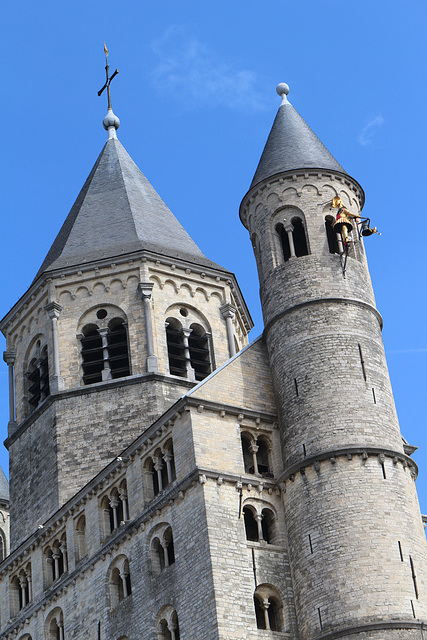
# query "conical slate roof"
(118, 212)
(4, 486)
(292, 145)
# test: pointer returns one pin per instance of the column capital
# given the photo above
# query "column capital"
(187, 332)
(103, 331)
(288, 227)
(9, 357)
(53, 309)
(145, 289)
(228, 310)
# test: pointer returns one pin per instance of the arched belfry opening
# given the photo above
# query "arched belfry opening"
(104, 345)
(299, 237)
(176, 349)
(198, 344)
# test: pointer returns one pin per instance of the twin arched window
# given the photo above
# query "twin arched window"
(119, 581)
(20, 590)
(268, 608)
(115, 509)
(189, 350)
(37, 376)
(162, 549)
(167, 627)
(256, 454)
(56, 562)
(55, 625)
(159, 471)
(259, 527)
(105, 354)
(293, 238)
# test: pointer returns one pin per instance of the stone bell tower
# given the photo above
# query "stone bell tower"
(356, 542)
(124, 316)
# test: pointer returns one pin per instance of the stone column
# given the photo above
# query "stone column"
(228, 312)
(190, 371)
(56, 555)
(61, 630)
(265, 605)
(124, 499)
(106, 371)
(289, 230)
(145, 290)
(258, 518)
(23, 585)
(158, 467)
(63, 549)
(172, 628)
(53, 310)
(9, 358)
(114, 503)
(253, 448)
(167, 457)
(123, 576)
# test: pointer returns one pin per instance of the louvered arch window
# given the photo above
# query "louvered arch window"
(105, 352)
(176, 348)
(199, 346)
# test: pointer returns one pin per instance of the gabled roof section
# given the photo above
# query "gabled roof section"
(292, 145)
(119, 212)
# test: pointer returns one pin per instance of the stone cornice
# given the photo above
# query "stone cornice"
(373, 626)
(348, 453)
(131, 260)
(106, 385)
(306, 303)
(293, 175)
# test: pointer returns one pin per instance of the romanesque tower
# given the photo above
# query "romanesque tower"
(123, 317)
(356, 545)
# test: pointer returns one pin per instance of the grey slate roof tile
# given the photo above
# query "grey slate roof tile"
(292, 145)
(118, 212)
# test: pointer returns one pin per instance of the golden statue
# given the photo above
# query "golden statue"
(343, 223)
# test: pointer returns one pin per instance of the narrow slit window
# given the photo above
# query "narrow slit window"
(374, 396)
(310, 543)
(400, 550)
(296, 387)
(362, 362)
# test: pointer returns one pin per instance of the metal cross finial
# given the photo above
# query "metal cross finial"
(108, 80)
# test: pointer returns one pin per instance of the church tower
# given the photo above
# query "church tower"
(356, 544)
(124, 316)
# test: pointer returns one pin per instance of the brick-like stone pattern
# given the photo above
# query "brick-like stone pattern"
(316, 319)
(71, 440)
(212, 582)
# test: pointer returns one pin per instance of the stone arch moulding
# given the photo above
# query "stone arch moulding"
(194, 315)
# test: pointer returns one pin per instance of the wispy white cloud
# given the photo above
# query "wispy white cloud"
(195, 76)
(366, 135)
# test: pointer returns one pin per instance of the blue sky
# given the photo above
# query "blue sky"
(196, 98)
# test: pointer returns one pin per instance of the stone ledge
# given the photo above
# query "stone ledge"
(376, 626)
(348, 453)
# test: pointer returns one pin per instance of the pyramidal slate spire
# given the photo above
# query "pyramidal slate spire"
(292, 144)
(118, 212)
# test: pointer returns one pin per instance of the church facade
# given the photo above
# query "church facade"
(171, 481)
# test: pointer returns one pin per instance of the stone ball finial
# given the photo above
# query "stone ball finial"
(282, 89)
(111, 120)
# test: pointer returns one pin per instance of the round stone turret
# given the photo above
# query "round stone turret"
(350, 499)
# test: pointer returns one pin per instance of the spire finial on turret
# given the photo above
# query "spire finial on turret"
(283, 90)
(111, 122)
